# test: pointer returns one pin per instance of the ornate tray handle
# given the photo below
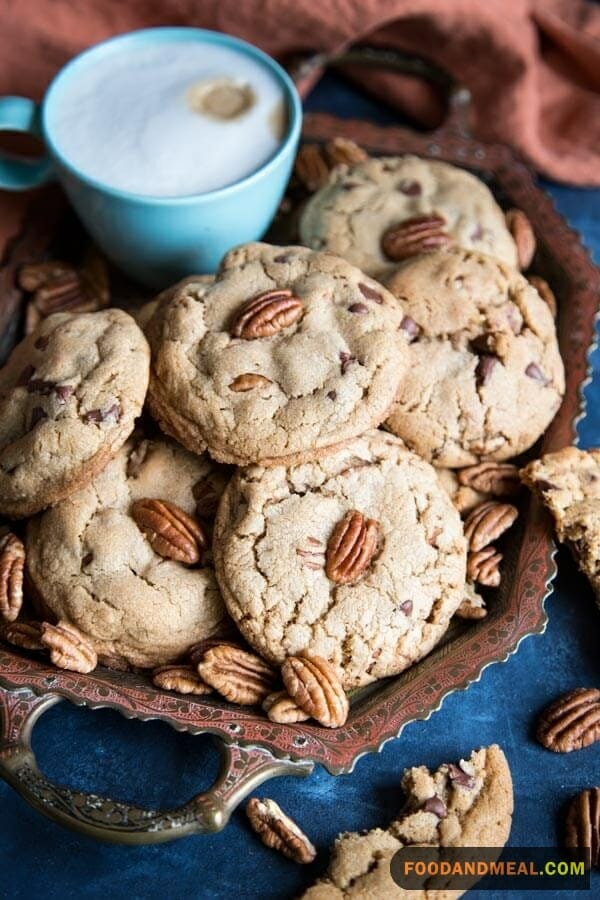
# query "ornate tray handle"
(307, 71)
(243, 769)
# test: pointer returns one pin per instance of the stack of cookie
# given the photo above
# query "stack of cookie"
(339, 555)
(355, 410)
(484, 377)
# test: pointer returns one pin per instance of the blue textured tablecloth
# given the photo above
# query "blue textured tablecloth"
(153, 765)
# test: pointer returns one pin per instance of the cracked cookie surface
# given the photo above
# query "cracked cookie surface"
(144, 313)
(271, 539)
(568, 483)
(91, 565)
(284, 396)
(350, 215)
(475, 800)
(69, 395)
(485, 377)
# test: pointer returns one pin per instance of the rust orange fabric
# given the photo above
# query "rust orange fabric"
(533, 66)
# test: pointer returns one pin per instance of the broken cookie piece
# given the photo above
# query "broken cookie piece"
(568, 484)
(468, 804)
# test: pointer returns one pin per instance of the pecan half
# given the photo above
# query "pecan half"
(497, 479)
(582, 825)
(27, 635)
(343, 151)
(487, 522)
(12, 561)
(170, 531)
(351, 547)
(198, 651)
(280, 707)
(313, 683)
(311, 168)
(422, 234)
(545, 292)
(69, 649)
(523, 235)
(483, 566)
(278, 831)
(267, 313)
(32, 276)
(472, 607)
(59, 287)
(59, 294)
(239, 676)
(182, 679)
(571, 722)
(248, 381)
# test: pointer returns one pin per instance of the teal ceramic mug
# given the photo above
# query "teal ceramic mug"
(155, 239)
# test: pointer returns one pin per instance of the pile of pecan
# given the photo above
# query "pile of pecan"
(68, 648)
(484, 523)
(314, 163)
(306, 687)
(61, 287)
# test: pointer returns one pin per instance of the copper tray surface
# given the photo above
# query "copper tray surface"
(254, 748)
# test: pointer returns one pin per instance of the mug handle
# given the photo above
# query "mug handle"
(21, 114)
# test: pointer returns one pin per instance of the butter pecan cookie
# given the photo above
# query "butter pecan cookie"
(69, 395)
(485, 377)
(114, 575)
(287, 354)
(568, 483)
(358, 557)
(465, 804)
(382, 211)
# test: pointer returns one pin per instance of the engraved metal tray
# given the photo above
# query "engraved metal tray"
(255, 749)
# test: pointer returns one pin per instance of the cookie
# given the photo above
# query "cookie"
(568, 483)
(287, 355)
(354, 213)
(92, 566)
(468, 804)
(145, 312)
(373, 597)
(143, 315)
(485, 377)
(69, 395)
